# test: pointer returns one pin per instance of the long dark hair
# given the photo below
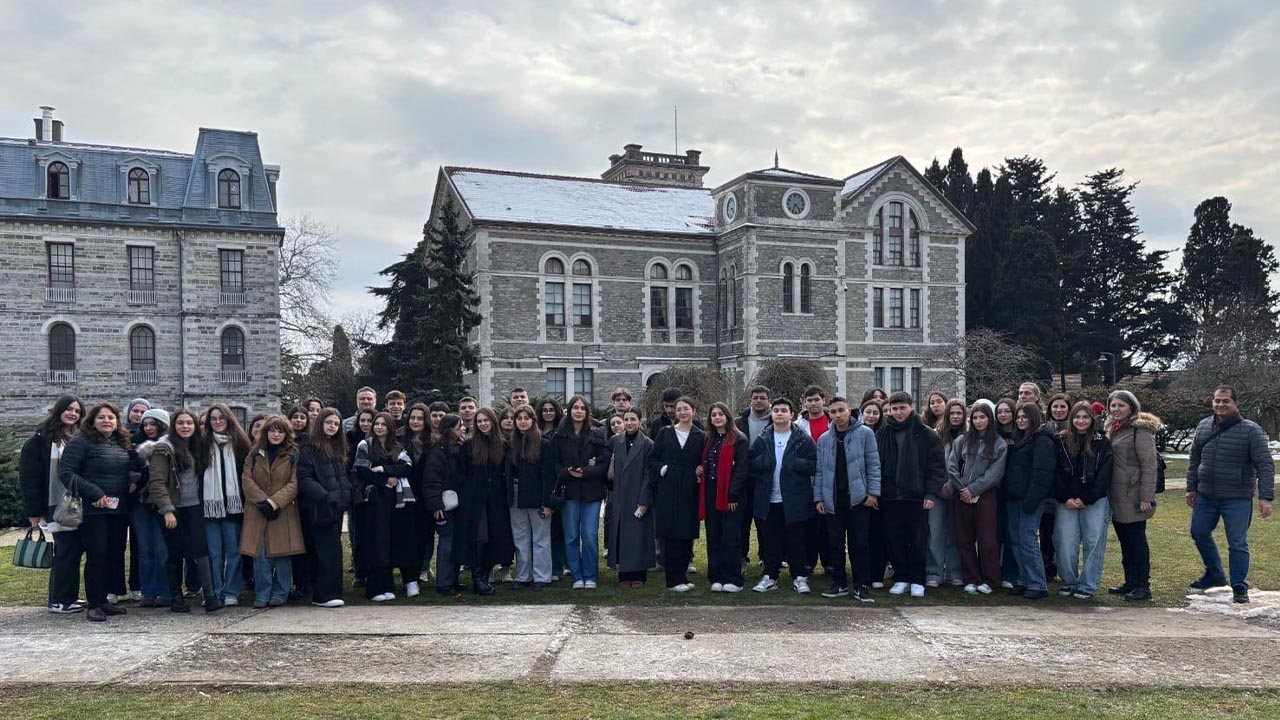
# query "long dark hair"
(929, 418)
(1072, 438)
(871, 395)
(51, 427)
(448, 439)
(383, 450)
(526, 446)
(986, 438)
(120, 434)
(240, 442)
(183, 447)
(278, 422)
(567, 425)
(1013, 417)
(1035, 420)
(417, 442)
(943, 424)
(488, 449)
(730, 429)
(329, 448)
(537, 417)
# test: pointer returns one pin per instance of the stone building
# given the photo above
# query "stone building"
(589, 284)
(130, 272)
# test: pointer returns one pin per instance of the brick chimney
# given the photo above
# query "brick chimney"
(48, 129)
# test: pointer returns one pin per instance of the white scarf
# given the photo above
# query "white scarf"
(221, 481)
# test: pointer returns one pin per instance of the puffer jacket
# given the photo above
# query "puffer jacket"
(1087, 477)
(1235, 463)
(862, 459)
(323, 487)
(96, 467)
(978, 473)
(1134, 463)
(1029, 471)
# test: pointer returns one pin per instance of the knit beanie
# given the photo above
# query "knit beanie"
(157, 414)
(986, 404)
(1098, 409)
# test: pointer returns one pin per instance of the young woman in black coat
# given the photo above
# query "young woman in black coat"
(389, 538)
(485, 456)
(42, 490)
(1028, 482)
(531, 479)
(325, 492)
(580, 469)
(446, 472)
(418, 435)
(1080, 489)
(724, 470)
(361, 429)
(673, 492)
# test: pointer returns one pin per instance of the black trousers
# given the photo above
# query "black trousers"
(744, 530)
(64, 576)
(304, 565)
(781, 540)
(636, 576)
(104, 538)
(854, 525)
(676, 555)
(906, 526)
(326, 544)
(724, 554)
(186, 542)
(817, 545)
(879, 557)
(355, 516)
(1135, 554)
(1047, 550)
(135, 577)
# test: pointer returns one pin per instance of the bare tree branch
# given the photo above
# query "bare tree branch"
(985, 362)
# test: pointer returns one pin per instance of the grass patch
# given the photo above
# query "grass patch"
(871, 701)
(1175, 563)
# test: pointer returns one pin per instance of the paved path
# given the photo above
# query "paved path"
(579, 643)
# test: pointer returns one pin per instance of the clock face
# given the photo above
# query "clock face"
(796, 204)
(731, 208)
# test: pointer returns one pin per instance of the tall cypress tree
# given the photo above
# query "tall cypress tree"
(1029, 189)
(1028, 303)
(959, 183)
(1062, 223)
(936, 176)
(1207, 244)
(979, 268)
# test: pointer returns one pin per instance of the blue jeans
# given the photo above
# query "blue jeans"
(1237, 516)
(446, 568)
(269, 585)
(223, 537)
(582, 538)
(1008, 559)
(1023, 527)
(152, 552)
(1085, 528)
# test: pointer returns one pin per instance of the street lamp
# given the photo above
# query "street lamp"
(1104, 357)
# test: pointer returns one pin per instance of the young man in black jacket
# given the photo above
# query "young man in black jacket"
(783, 461)
(913, 469)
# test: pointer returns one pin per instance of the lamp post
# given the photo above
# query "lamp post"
(1104, 357)
(582, 365)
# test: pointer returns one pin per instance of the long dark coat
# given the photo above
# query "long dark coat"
(389, 535)
(631, 539)
(674, 498)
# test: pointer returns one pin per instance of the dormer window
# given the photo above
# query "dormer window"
(59, 181)
(139, 187)
(229, 189)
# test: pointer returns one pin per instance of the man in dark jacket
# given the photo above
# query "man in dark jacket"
(1229, 461)
(753, 422)
(913, 468)
(783, 461)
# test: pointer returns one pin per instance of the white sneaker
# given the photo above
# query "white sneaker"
(425, 576)
(412, 589)
(765, 585)
(589, 584)
(329, 604)
(565, 573)
(877, 585)
(506, 577)
(971, 589)
(985, 589)
(230, 601)
(578, 585)
(731, 588)
(691, 569)
(681, 588)
(917, 590)
(383, 597)
(1006, 584)
(899, 588)
(135, 595)
(717, 587)
(112, 598)
(801, 585)
(931, 583)
(956, 582)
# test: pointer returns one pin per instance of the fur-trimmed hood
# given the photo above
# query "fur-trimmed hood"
(1147, 421)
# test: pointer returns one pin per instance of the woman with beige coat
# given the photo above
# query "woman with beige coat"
(272, 527)
(1133, 489)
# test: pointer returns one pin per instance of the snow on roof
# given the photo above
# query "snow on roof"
(580, 202)
(857, 181)
(783, 172)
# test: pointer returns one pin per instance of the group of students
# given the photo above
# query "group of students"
(983, 495)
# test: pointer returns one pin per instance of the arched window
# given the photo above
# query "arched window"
(658, 272)
(232, 350)
(553, 266)
(806, 288)
(139, 187)
(62, 348)
(738, 291)
(582, 268)
(788, 288)
(726, 300)
(913, 239)
(684, 272)
(59, 181)
(142, 348)
(229, 189)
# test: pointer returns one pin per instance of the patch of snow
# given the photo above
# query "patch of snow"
(854, 183)
(1262, 603)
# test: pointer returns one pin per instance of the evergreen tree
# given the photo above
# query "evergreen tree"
(959, 184)
(979, 269)
(341, 373)
(1029, 189)
(936, 176)
(1062, 223)
(1207, 244)
(1027, 300)
(1247, 267)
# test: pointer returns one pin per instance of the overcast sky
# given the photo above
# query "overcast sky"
(361, 103)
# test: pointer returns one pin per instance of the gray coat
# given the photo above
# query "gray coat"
(862, 458)
(630, 539)
(980, 475)
(1234, 464)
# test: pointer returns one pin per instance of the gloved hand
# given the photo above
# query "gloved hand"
(267, 510)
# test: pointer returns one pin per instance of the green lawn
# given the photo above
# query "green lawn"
(1174, 564)
(647, 701)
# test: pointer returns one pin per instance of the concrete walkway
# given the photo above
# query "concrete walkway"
(579, 643)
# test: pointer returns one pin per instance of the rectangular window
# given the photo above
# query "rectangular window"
(877, 308)
(232, 270)
(554, 293)
(555, 382)
(913, 249)
(879, 377)
(895, 233)
(62, 264)
(915, 309)
(684, 308)
(142, 350)
(581, 305)
(877, 248)
(896, 379)
(142, 268)
(658, 308)
(737, 302)
(895, 307)
(240, 413)
(917, 387)
(584, 383)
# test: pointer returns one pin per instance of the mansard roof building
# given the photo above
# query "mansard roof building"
(134, 272)
(587, 284)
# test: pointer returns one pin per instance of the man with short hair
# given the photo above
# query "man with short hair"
(846, 489)
(814, 419)
(783, 460)
(1029, 392)
(753, 422)
(467, 407)
(366, 399)
(517, 397)
(668, 415)
(913, 467)
(621, 400)
(394, 403)
(1230, 460)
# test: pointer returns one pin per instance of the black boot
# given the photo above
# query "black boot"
(178, 604)
(204, 569)
(480, 583)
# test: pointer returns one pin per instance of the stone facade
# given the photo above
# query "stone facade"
(775, 263)
(157, 329)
